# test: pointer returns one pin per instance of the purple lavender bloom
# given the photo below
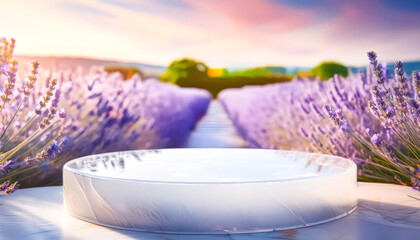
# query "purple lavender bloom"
(390, 112)
(321, 130)
(376, 68)
(62, 113)
(391, 154)
(414, 104)
(307, 111)
(315, 108)
(304, 132)
(373, 109)
(416, 82)
(416, 185)
(399, 75)
(4, 185)
(52, 150)
(5, 167)
(11, 189)
(56, 100)
(376, 140)
(95, 95)
(344, 127)
(372, 57)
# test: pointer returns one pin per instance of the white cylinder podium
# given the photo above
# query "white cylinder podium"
(209, 191)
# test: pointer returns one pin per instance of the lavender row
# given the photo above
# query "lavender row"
(49, 118)
(371, 119)
(115, 115)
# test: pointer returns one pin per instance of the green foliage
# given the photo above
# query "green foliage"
(216, 84)
(252, 72)
(126, 72)
(326, 70)
(185, 69)
(281, 70)
(257, 72)
(190, 73)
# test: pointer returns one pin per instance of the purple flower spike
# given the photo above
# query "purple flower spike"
(62, 113)
(5, 167)
(11, 189)
(4, 185)
(416, 82)
(372, 56)
(391, 154)
(376, 68)
(304, 133)
(344, 127)
(390, 112)
(376, 140)
(399, 75)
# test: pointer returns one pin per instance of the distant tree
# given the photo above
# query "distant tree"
(326, 70)
(186, 69)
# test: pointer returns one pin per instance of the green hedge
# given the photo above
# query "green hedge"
(326, 70)
(216, 84)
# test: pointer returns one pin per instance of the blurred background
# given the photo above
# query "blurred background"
(214, 44)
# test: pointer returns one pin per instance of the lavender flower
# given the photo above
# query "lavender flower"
(10, 189)
(31, 78)
(416, 82)
(400, 99)
(376, 140)
(390, 112)
(5, 167)
(18, 140)
(376, 67)
(48, 94)
(62, 113)
(47, 120)
(399, 75)
(4, 185)
(10, 83)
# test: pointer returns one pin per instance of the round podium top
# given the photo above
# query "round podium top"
(209, 165)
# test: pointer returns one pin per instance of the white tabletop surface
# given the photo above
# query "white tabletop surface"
(384, 212)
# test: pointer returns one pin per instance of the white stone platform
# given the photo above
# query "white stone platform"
(384, 212)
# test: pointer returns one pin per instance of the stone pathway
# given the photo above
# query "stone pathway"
(215, 130)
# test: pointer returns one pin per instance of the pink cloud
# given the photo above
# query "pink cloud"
(370, 18)
(256, 14)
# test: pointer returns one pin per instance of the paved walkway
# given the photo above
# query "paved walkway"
(215, 130)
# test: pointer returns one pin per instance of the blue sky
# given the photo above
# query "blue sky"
(230, 33)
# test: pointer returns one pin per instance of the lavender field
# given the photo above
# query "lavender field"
(337, 79)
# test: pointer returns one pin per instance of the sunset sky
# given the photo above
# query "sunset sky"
(229, 33)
